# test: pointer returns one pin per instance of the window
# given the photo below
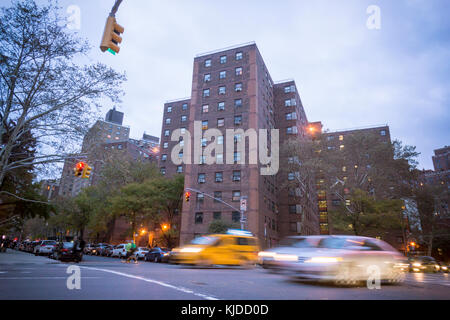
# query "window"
(238, 87)
(205, 108)
(236, 196)
(237, 120)
(237, 137)
(383, 132)
(219, 176)
(201, 178)
(199, 218)
(238, 103)
(291, 116)
(200, 197)
(289, 89)
(222, 90)
(180, 169)
(344, 169)
(222, 74)
(206, 93)
(341, 147)
(238, 71)
(223, 59)
(184, 106)
(217, 215)
(165, 145)
(220, 140)
(236, 176)
(168, 121)
(293, 226)
(287, 103)
(207, 78)
(341, 138)
(204, 124)
(329, 138)
(202, 160)
(164, 157)
(291, 176)
(169, 109)
(239, 56)
(336, 202)
(166, 133)
(220, 122)
(183, 118)
(119, 147)
(291, 130)
(221, 106)
(180, 155)
(208, 63)
(237, 157)
(219, 158)
(217, 195)
(203, 142)
(235, 216)
(182, 130)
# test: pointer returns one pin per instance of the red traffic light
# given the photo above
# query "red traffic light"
(188, 196)
(80, 165)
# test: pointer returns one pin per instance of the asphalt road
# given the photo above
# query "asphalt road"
(25, 276)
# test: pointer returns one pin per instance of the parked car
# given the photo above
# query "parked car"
(423, 264)
(89, 248)
(30, 247)
(119, 251)
(443, 266)
(157, 254)
(98, 248)
(64, 252)
(44, 247)
(141, 252)
(108, 251)
(341, 259)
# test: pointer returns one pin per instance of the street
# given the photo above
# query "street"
(25, 276)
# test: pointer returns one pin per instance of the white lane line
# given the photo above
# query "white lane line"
(41, 278)
(185, 290)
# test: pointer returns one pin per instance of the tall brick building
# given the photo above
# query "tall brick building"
(232, 89)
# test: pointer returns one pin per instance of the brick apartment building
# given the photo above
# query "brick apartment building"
(232, 89)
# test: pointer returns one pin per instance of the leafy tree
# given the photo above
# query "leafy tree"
(42, 90)
(220, 226)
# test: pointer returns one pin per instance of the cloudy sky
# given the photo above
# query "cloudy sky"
(348, 75)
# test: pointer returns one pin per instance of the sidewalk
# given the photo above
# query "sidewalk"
(19, 257)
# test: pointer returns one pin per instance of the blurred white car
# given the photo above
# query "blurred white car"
(119, 251)
(45, 247)
(141, 252)
(342, 259)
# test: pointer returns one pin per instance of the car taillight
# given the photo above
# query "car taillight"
(64, 250)
(42, 245)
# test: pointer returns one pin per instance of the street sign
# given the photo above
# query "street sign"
(243, 204)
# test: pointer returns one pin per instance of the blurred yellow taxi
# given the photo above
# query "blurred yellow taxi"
(236, 247)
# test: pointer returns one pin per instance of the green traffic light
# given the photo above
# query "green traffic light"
(112, 51)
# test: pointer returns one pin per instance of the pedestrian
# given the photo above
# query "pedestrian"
(131, 249)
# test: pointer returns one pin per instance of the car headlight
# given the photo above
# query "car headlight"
(416, 264)
(444, 268)
(264, 254)
(285, 257)
(324, 260)
(191, 250)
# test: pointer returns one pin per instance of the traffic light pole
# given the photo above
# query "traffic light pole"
(115, 8)
(221, 201)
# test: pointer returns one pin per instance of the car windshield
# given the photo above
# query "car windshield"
(338, 243)
(67, 245)
(48, 243)
(297, 243)
(204, 240)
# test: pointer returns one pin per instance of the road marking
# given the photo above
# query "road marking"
(42, 278)
(185, 290)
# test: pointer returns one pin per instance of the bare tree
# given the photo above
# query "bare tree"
(42, 90)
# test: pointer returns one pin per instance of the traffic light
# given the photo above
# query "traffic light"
(86, 172)
(188, 196)
(111, 36)
(79, 168)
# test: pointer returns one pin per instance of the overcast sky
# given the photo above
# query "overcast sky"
(348, 75)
